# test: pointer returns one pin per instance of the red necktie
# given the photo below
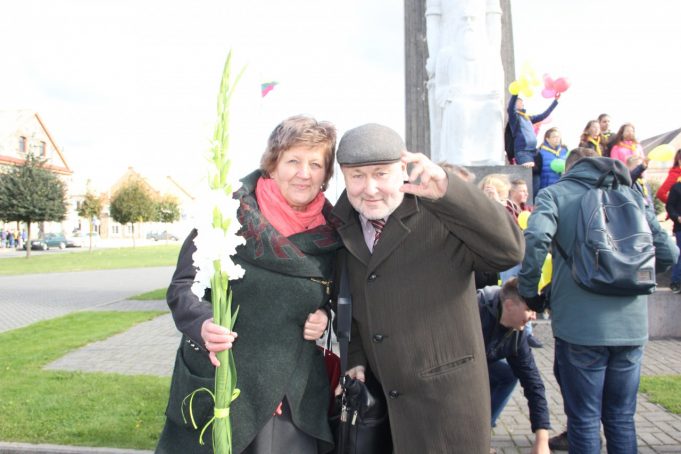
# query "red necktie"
(378, 227)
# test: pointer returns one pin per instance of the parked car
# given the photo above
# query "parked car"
(165, 235)
(38, 244)
(61, 241)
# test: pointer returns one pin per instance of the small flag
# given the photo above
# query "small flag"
(267, 87)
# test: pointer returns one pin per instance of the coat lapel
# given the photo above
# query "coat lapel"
(350, 230)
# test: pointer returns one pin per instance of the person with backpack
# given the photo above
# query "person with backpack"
(599, 329)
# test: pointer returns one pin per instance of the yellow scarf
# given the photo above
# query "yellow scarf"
(597, 144)
(551, 150)
(524, 115)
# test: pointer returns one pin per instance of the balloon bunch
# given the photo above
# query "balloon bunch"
(527, 80)
(554, 87)
(663, 153)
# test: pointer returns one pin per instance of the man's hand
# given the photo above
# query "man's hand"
(536, 303)
(357, 373)
(315, 325)
(216, 339)
(528, 164)
(541, 442)
(426, 178)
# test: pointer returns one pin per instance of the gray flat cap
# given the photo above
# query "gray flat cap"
(369, 144)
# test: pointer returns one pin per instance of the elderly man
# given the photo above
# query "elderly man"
(413, 241)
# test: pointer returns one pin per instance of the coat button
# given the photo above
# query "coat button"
(372, 277)
(378, 338)
(394, 394)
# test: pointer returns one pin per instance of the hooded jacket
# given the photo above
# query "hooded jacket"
(505, 343)
(579, 316)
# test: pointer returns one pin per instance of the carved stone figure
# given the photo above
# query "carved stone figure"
(465, 86)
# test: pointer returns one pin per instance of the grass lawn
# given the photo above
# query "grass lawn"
(72, 408)
(664, 390)
(100, 259)
(153, 295)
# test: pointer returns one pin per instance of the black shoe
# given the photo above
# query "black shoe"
(559, 442)
(534, 342)
(675, 287)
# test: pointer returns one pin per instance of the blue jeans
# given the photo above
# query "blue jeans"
(599, 384)
(676, 269)
(501, 385)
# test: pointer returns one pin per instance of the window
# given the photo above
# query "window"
(43, 149)
(22, 144)
(114, 229)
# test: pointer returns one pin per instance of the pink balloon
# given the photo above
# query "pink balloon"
(548, 93)
(548, 82)
(561, 84)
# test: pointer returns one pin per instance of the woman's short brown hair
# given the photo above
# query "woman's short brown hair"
(300, 130)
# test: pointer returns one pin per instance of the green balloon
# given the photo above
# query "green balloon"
(558, 165)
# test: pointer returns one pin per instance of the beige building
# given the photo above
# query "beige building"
(23, 132)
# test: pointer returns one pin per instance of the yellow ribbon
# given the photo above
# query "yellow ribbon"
(218, 413)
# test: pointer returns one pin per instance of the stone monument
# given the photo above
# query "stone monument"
(465, 81)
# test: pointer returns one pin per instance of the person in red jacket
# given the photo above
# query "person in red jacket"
(672, 177)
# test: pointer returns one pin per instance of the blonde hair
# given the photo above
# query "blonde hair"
(499, 181)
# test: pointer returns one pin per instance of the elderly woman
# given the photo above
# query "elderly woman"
(288, 258)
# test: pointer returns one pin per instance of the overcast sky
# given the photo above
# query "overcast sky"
(133, 83)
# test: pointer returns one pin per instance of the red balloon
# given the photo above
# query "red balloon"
(548, 93)
(561, 84)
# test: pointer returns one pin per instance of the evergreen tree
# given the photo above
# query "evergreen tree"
(30, 193)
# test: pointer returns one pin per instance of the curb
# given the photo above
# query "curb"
(24, 448)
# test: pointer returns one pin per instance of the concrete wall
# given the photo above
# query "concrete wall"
(664, 314)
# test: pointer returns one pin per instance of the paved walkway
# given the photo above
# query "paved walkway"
(28, 298)
(149, 348)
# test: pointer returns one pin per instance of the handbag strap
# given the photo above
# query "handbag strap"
(344, 317)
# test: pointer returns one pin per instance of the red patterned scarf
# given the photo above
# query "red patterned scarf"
(281, 215)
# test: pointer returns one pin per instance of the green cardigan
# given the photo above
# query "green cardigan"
(280, 288)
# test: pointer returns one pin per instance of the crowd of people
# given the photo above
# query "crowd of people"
(412, 237)
(12, 238)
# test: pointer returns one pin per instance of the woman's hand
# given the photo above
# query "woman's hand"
(216, 339)
(315, 325)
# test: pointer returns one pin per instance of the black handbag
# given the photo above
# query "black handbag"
(359, 417)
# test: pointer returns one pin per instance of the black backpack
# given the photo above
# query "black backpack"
(613, 253)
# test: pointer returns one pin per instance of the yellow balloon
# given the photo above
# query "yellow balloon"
(546, 272)
(514, 87)
(664, 152)
(523, 217)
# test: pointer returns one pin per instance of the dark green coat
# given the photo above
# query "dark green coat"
(278, 291)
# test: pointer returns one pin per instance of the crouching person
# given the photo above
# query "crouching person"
(504, 314)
